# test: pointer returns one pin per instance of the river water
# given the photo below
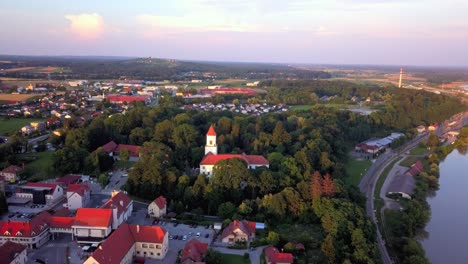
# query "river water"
(447, 230)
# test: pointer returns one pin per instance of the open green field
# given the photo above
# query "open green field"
(120, 164)
(234, 259)
(418, 151)
(10, 125)
(356, 169)
(301, 107)
(409, 161)
(38, 165)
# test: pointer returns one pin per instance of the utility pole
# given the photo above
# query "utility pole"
(401, 77)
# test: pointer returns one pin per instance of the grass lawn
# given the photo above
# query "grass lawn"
(234, 259)
(120, 164)
(409, 161)
(356, 169)
(418, 151)
(38, 165)
(301, 107)
(9, 125)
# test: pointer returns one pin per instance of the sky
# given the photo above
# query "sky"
(380, 32)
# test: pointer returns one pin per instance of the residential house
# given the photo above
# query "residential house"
(78, 196)
(26, 130)
(121, 206)
(158, 207)
(212, 157)
(114, 150)
(40, 193)
(129, 242)
(32, 233)
(10, 173)
(193, 253)
(238, 231)
(38, 126)
(273, 256)
(92, 224)
(13, 253)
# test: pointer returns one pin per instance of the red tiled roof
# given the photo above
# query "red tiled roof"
(119, 201)
(61, 222)
(62, 212)
(123, 98)
(114, 249)
(9, 251)
(93, 217)
(12, 169)
(68, 179)
(246, 227)
(160, 202)
(211, 131)
(416, 168)
(212, 159)
(274, 256)
(194, 251)
(150, 234)
(80, 189)
(134, 150)
(111, 146)
(30, 228)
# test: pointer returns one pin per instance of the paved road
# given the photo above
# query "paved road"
(368, 182)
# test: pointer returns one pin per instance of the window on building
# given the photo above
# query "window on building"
(144, 246)
(211, 142)
(158, 246)
(152, 253)
(138, 252)
(151, 246)
(159, 254)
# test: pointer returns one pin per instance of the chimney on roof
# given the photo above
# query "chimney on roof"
(100, 247)
(121, 203)
(114, 193)
(138, 228)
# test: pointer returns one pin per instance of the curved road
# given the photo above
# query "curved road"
(368, 182)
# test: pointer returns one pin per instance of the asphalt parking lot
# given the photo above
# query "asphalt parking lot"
(54, 251)
(180, 230)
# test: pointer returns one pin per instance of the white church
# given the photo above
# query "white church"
(212, 156)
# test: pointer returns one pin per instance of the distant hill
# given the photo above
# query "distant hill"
(90, 67)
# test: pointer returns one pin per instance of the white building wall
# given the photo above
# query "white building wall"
(74, 201)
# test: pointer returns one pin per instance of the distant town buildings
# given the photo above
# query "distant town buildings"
(10, 173)
(238, 231)
(13, 253)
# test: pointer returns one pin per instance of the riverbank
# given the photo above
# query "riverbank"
(404, 227)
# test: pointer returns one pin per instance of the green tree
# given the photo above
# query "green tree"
(273, 238)
(213, 257)
(229, 173)
(103, 180)
(226, 210)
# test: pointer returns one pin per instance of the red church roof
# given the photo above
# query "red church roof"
(211, 131)
(110, 147)
(274, 256)
(114, 249)
(212, 159)
(93, 217)
(134, 150)
(193, 251)
(160, 202)
(416, 168)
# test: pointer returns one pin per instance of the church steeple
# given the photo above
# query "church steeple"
(211, 145)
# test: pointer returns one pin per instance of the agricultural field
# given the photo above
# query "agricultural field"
(11, 125)
(234, 259)
(16, 97)
(38, 165)
(409, 161)
(47, 69)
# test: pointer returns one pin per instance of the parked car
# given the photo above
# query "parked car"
(171, 237)
(184, 238)
(207, 235)
(198, 234)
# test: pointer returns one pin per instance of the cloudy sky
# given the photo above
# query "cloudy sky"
(397, 32)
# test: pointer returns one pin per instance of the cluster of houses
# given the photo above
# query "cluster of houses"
(247, 109)
(376, 146)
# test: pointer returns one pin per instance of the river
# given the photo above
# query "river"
(447, 230)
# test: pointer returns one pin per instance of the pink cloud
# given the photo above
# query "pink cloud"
(86, 25)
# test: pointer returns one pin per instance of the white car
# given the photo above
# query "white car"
(198, 234)
(184, 238)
